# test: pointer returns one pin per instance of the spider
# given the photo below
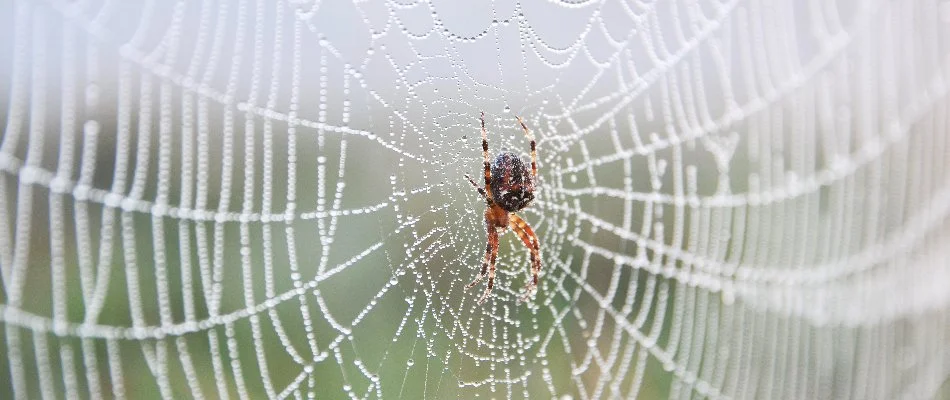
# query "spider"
(508, 189)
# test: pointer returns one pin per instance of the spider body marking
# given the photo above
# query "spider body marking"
(512, 186)
(509, 187)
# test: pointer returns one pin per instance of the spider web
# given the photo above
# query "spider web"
(253, 199)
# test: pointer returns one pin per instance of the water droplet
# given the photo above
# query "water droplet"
(507, 109)
(91, 127)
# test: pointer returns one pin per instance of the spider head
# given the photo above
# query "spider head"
(511, 184)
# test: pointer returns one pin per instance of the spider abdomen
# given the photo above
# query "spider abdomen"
(511, 184)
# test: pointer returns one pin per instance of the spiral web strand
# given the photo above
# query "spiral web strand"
(265, 199)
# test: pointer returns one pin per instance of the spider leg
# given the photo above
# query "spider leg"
(493, 243)
(530, 240)
(485, 157)
(488, 266)
(534, 152)
(480, 190)
(484, 268)
(488, 251)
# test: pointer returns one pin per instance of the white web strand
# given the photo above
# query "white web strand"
(216, 199)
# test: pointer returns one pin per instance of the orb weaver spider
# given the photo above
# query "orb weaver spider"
(508, 189)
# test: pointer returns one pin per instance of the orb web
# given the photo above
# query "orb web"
(257, 199)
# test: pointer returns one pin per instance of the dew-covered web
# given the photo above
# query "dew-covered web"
(253, 199)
